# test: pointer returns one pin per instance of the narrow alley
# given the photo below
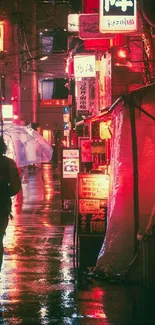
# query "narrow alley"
(39, 283)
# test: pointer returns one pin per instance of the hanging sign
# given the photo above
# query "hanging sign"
(73, 22)
(118, 16)
(1, 37)
(89, 27)
(83, 97)
(84, 66)
(7, 112)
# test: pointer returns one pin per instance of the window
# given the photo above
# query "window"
(53, 40)
(53, 89)
(47, 87)
(46, 42)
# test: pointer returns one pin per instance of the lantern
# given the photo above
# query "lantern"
(105, 130)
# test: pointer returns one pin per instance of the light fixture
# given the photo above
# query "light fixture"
(43, 58)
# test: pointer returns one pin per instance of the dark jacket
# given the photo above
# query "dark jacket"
(10, 182)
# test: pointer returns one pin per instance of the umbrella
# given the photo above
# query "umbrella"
(25, 145)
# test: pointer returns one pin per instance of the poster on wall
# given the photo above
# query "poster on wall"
(70, 163)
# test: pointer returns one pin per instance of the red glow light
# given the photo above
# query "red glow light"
(15, 117)
(122, 53)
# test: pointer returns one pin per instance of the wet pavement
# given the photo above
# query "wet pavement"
(39, 282)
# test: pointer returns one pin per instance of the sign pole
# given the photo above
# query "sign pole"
(1, 116)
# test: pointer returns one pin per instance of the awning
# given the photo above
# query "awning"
(105, 113)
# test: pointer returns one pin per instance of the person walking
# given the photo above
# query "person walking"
(10, 185)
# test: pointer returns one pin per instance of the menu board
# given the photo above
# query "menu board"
(93, 223)
(93, 186)
(70, 163)
(91, 206)
(92, 203)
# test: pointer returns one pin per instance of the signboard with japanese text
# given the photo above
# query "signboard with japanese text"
(89, 27)
(90, 206)
(84, 66)
(93, 223)
(83, 97)
(1, 36)
(73, 22)
(118, 16)
(92, 203)
(92, 95)
(70, 163)
(70, 167)
(93, 186)
(85, 145)
(53, 102)
(105, 81)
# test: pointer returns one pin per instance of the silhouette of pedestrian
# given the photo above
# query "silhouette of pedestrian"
(10, 185)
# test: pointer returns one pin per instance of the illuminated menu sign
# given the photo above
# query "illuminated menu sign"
(70, 163)
(92, 203)
(93, 186)
(118, 16)
(1, 36)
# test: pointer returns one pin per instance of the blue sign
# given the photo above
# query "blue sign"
(66, 126)
(66, 110)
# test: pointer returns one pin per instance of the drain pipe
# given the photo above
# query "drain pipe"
(135, 173)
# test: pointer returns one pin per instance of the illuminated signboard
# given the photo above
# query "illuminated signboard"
(84, 66)
(93, 186)
(53, 102)
(70, 163)
(89, 27)
(93, 192)
(1, 37)
(7, 111)
(118, 16)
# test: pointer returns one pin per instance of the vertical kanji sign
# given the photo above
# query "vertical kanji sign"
(82, 97)
(118, 16)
